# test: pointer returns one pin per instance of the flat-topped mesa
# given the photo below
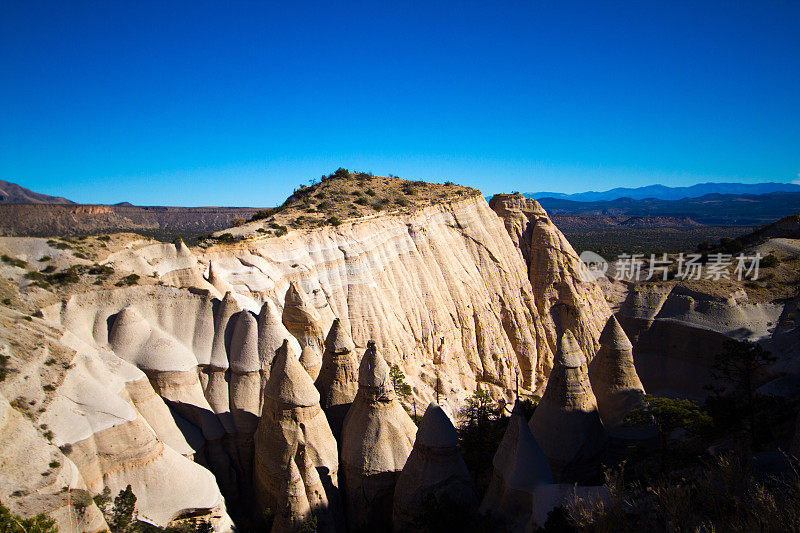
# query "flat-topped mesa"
(612, 372)
(564, 296)
(301, 318)
(296, 463)
(519, 468)
(338, 377)
(377, 438)
(271, 334)
(566, 422)
(435, 469)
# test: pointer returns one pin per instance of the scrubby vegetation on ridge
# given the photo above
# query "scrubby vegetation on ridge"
(343, 195)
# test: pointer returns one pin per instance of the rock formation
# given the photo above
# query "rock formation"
(377, 438)
(271, 334)
(520, 468)
(296, 462)
(562, 294)
(338, 377)
(311, 361)
(566, 422)
(613, 376)
(434, 471)
(301, 318)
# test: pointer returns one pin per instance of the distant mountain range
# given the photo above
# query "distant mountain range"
(710, 209)
(663, 192)
(11, 193)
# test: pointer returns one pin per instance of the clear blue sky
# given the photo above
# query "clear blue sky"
(235, 103)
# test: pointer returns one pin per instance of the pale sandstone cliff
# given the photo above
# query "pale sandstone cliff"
(111, 427)
(565, 298)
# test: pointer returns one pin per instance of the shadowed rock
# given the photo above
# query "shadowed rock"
(338, 377)
(566, 422)
(377, 438)
(615, 383)
(296, 464)
(519, 468)
(434, 472)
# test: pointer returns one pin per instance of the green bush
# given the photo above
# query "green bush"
(770, 261)
(130, 279)
(11, 523)
(333, 221)
(19, 263)
(263, 213)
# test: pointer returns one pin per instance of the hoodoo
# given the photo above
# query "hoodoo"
(301, 318)
(566, 422)
(519, 468)
(311, 361)
(271, 334)
(296, 463)
(435, 469)
(245, 387)
(377, 438)
(338, 378)
(613, 376)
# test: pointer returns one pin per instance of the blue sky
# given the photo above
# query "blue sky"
(235, 103)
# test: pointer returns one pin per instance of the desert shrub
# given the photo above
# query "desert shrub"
(370, 192)
(770, 261)
(448, 183)
(363, 175)
(130, 279)
(19, 263)
(237, 221)
(402, 202)
(44, 258)
(333, 221)
(101, 270)
(49, 269)
(324, 205)
(4, 369)
(280, 231)
(361, 201)
(262, 214)
(11, 523)
(408, 190)
(103, 238)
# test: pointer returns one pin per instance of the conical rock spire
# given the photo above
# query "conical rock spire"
(435, 469)
(288, 382)
(301, 318)
(613, 376)
(566, 422)
(377, 438)
(338, 378)
(519, 468)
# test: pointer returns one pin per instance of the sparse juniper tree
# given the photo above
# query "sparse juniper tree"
(737, 369)
(402, 388)
(667, 415)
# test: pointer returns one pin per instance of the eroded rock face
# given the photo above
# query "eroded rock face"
(566, 422)
(377, 438)
(434, 472)
(296, 461)
(613, 376)
(562, 295)
(520, 468)
(113, 428)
